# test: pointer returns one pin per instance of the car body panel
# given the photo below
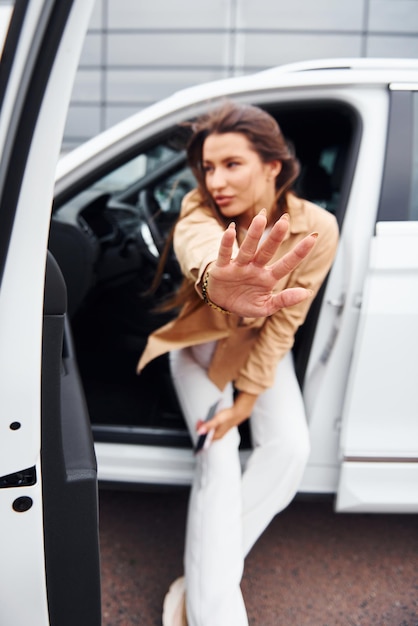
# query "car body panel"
(377, 487)
(329, 361)
(379, 423)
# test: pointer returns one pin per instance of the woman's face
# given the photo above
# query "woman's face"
(236, 178)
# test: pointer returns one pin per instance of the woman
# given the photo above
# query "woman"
(242, 241)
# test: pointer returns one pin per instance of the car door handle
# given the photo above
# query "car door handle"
(337, 303)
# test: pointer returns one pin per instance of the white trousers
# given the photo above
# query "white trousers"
(228, 508)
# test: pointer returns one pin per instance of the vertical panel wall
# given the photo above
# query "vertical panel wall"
(137, 51)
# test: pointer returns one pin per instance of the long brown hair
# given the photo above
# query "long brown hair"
(265, 138)
(263, 134)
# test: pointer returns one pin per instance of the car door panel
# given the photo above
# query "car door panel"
(69, 472)
(380, 427)
(35, 93)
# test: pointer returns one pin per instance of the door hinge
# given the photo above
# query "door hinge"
(23, 478)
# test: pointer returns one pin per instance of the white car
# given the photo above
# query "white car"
(354, 125)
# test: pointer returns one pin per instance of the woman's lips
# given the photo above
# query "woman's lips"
(223, 200)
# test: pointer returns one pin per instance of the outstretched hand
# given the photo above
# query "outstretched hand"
(244, 285)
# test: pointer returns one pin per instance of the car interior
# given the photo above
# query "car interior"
(108, 240)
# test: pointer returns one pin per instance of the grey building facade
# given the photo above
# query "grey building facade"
(139, 51)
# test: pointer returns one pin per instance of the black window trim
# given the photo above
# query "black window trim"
(397, 170)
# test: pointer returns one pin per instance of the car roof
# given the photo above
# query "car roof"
(365, 64)
(338, 72)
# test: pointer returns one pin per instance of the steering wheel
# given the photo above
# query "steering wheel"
(148, 208)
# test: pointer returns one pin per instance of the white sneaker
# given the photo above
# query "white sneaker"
(174, 607)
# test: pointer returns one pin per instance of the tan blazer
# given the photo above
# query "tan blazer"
(248, 350)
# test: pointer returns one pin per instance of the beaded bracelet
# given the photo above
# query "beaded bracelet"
(206, 297)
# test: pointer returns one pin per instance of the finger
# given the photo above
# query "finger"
(269, 247)
(226, 246)
(249, 246)
(290, 297)
(204, 427)
(208, 439)
(292, 259)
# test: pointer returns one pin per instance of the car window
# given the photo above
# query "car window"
(171, 191)
(413, 205)
(134, 170)
(324, 136)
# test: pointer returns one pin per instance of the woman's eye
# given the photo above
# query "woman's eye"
(232, 164)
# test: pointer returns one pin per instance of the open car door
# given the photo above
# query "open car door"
(49, 566)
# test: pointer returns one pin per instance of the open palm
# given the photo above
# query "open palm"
(244, 285)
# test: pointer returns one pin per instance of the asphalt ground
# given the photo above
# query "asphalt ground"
(312, 566)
